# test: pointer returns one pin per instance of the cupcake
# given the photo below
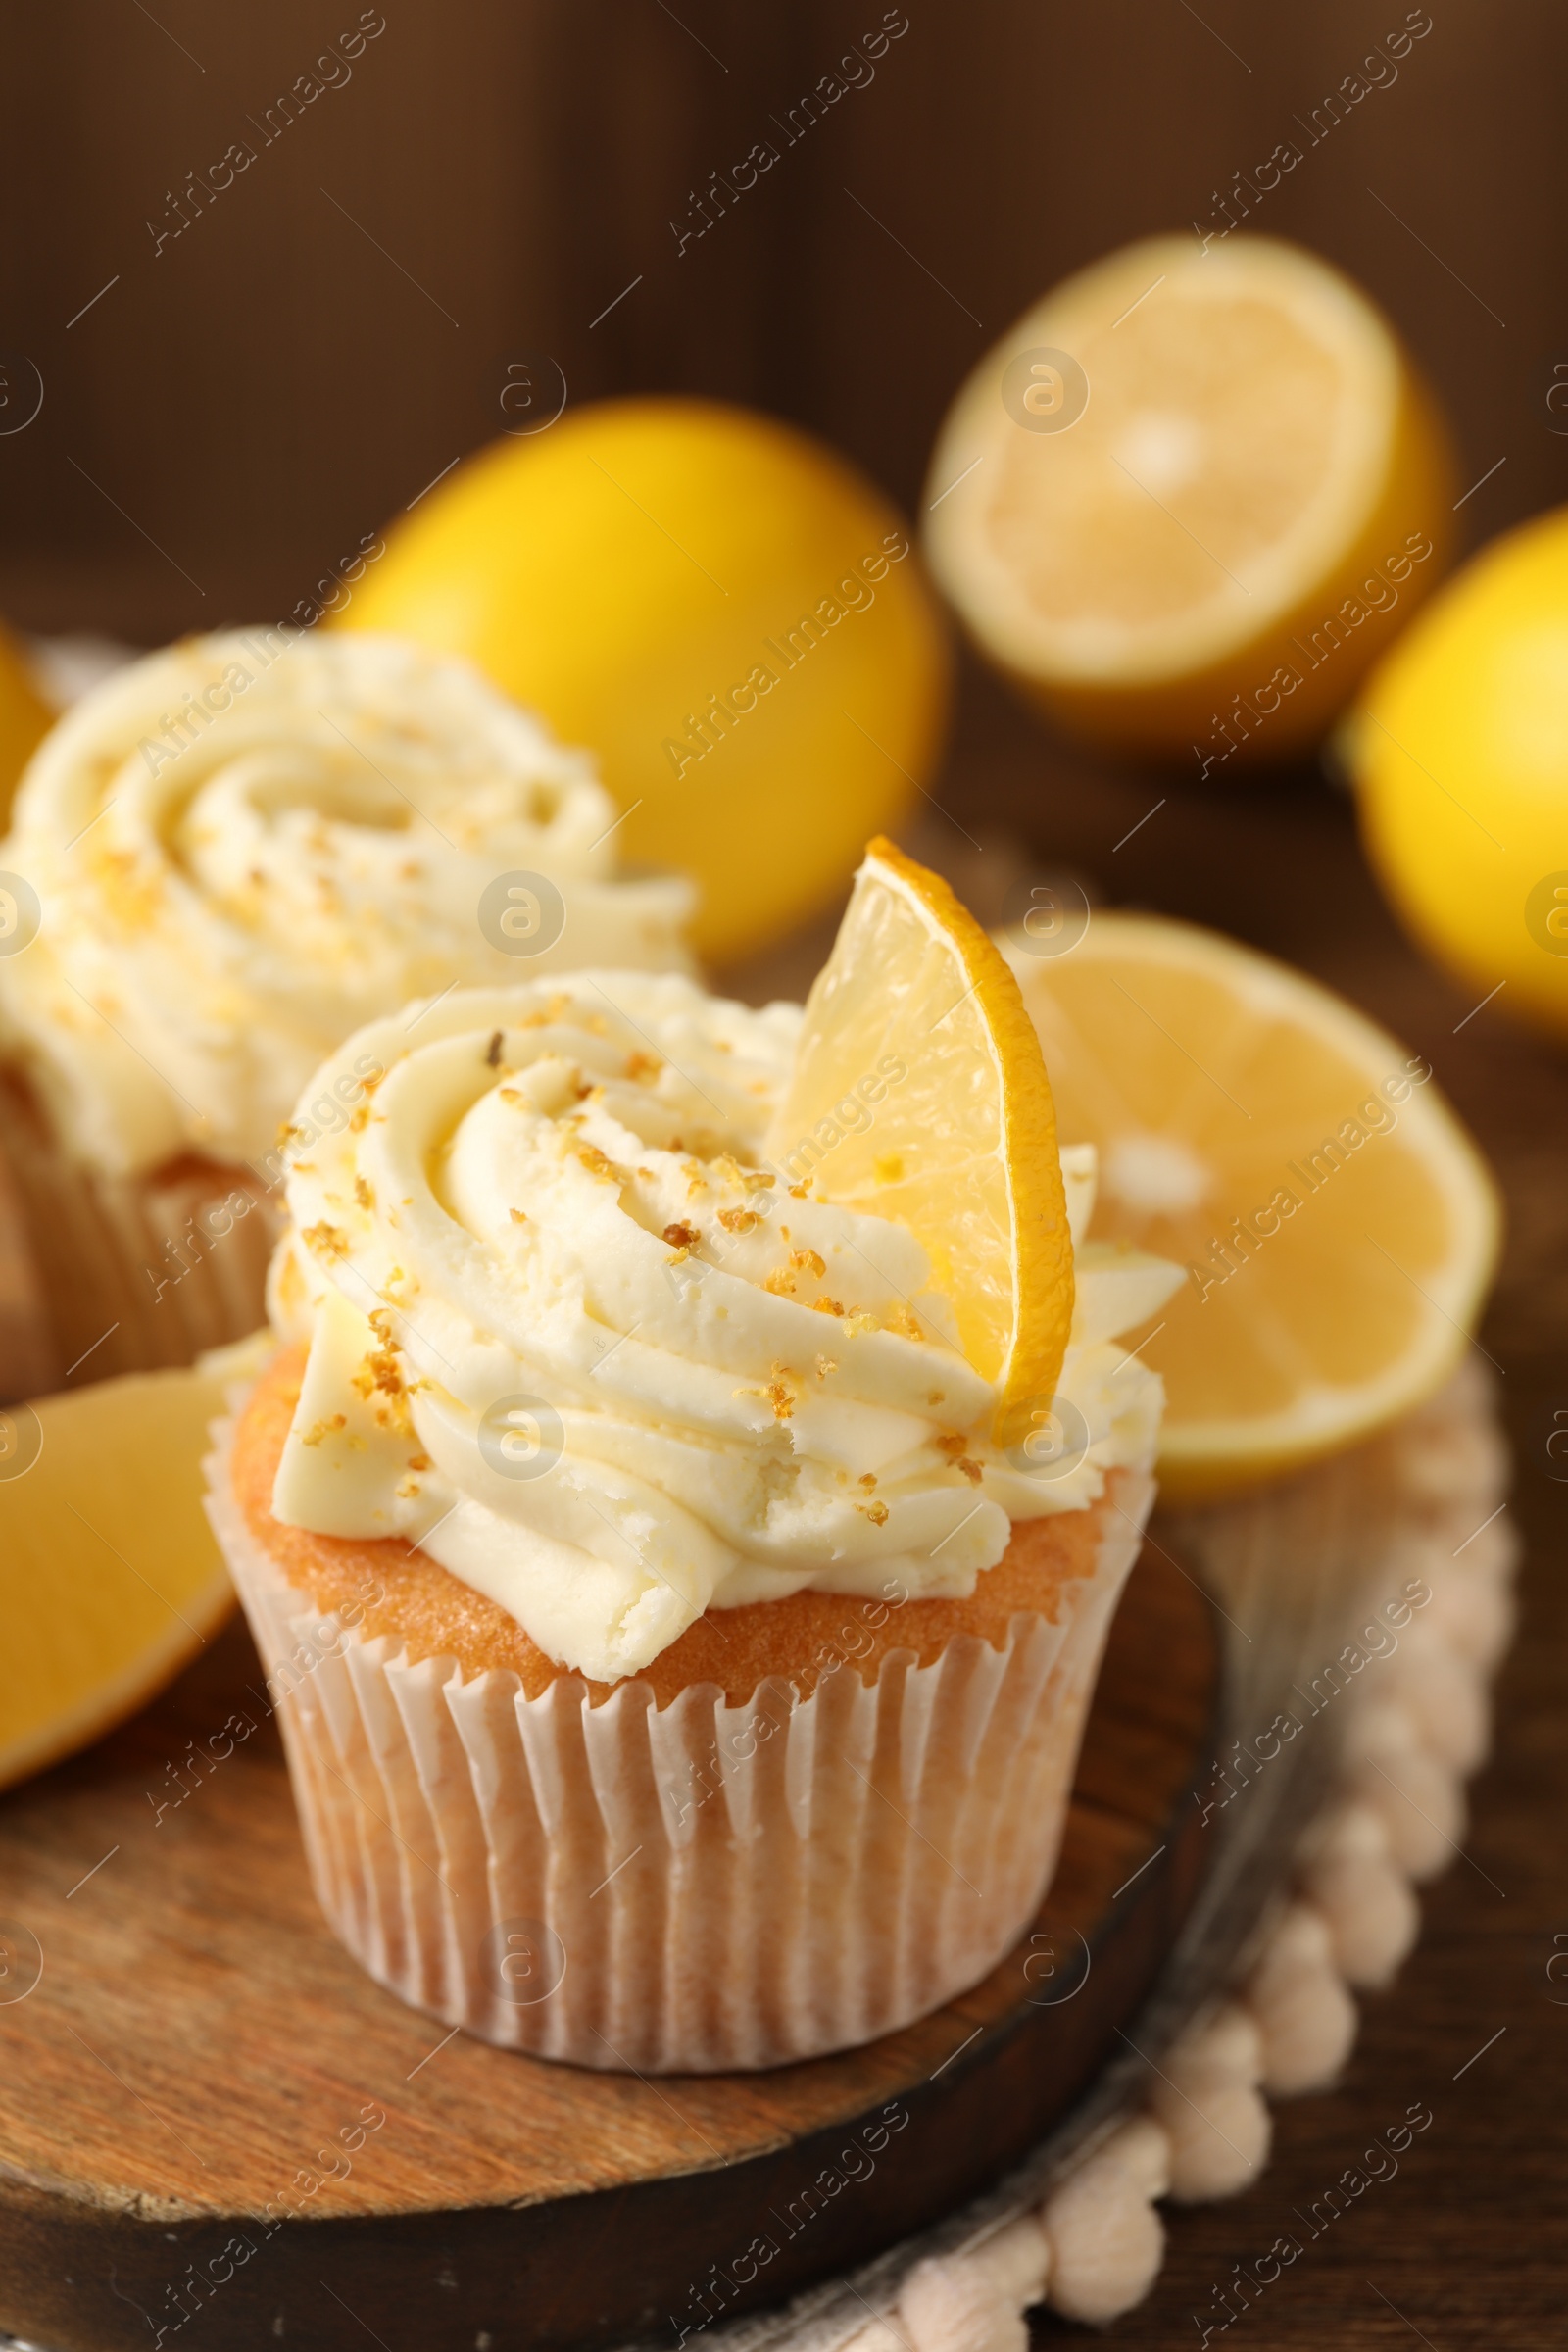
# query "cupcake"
(676, 1674)
(225, 860)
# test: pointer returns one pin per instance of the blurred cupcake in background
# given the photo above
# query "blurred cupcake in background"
(223, 860)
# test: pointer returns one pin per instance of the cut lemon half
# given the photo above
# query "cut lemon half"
(1338, 1227)
(1190, 497)
(110, 1577)
(961, 1144)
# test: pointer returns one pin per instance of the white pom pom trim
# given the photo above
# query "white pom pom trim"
(1093, 2249)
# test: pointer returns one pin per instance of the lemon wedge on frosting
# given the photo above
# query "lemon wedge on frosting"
(916, 1009)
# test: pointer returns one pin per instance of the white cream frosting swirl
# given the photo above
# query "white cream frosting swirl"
(568, 1333)
(248, 845)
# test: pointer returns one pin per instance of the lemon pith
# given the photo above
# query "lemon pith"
(961, 1146)
(1337, 1226)
(110, 1577)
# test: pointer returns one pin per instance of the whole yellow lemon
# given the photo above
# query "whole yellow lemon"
(730, 617)
(26, 719)
(1459, 747)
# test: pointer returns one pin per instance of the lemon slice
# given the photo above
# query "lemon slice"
(1337, 1225)
(1190, 497)
(916, 1007)
(110, 1577)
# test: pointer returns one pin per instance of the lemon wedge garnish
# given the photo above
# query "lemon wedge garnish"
(1189, 496)
(960, 1144)
(1337, 1226)
(110, 1577)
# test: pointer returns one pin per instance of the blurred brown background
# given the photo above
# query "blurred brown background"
(330, 330)
(232, 410)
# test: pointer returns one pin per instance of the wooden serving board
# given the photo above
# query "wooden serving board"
(215, 2130)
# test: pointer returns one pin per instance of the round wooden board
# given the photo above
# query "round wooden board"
(198, 2049)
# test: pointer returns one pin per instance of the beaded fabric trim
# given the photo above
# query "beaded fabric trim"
(1311, 1895)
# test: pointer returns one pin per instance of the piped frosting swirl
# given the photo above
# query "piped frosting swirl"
(246, 846)
(568, 1330)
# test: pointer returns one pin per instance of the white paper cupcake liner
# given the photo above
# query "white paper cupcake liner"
(136, 1272)
(692, 1890)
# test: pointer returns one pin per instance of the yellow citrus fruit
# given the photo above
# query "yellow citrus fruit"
(1189, 496)
(1337, 1226)
(1460, 751)
(917, 998)
(26, 719)
(726, 613)
(110, 1577)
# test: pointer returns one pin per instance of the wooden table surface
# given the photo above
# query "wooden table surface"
(1468, 2246)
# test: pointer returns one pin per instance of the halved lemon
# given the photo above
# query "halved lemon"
(1337, 1226)
(110, 1577)
(1189, 496)
(962, 1144)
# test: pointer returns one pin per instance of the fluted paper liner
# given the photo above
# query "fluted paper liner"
(132, 1272)
(687, 1890)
